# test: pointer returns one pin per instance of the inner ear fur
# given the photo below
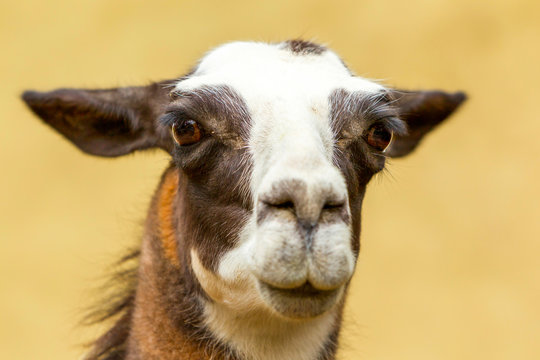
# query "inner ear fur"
(422, 111)
(106, 122)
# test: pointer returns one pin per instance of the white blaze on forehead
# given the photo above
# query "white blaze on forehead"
(255, 69)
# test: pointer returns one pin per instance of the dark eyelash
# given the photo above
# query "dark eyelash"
(391, 123)
(178, 116)
(172, 117)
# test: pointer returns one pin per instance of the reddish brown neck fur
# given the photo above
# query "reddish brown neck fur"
(166, 317)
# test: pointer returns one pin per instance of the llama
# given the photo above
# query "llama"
(252, 235)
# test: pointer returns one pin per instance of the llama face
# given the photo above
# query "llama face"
(272, 148)
(293, 125)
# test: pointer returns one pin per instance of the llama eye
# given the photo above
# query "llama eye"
(186, 132)
(379, 137)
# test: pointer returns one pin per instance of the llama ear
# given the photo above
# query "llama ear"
(110, 122)
(421, 111)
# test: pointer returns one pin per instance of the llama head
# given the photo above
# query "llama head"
(272, 147)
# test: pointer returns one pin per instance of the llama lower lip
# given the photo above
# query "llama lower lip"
(301, 302)
(306, 290)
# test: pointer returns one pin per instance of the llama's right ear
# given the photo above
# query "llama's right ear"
(109, 122)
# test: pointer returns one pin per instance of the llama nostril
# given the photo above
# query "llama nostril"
(334, 205)
(267, 207)
(279, 205)
(286, 205)
(306, 200)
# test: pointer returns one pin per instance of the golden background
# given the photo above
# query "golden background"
(449, 267)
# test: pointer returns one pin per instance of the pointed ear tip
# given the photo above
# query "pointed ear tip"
(30, 97)
(459, 97)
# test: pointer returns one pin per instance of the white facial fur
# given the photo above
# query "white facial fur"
(291, 138)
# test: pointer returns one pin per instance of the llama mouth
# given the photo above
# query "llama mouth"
(304, 301)
(305, 290)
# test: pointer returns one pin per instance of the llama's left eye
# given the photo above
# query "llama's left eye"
(379, 137)
(186, 133)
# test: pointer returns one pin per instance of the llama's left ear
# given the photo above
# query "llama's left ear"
(422, 111)
(109, 122)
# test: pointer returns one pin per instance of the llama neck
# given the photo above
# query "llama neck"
(174, 319)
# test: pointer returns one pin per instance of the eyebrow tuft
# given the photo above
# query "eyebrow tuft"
(220, 107)
(347, 107)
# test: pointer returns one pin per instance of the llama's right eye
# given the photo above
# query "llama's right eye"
(379, 137)
(186, 132)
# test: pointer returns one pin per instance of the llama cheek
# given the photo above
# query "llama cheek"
(208, 281)
(236, 294)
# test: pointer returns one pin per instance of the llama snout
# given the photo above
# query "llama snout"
(303, 234)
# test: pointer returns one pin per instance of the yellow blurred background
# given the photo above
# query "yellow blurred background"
(449, 267)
